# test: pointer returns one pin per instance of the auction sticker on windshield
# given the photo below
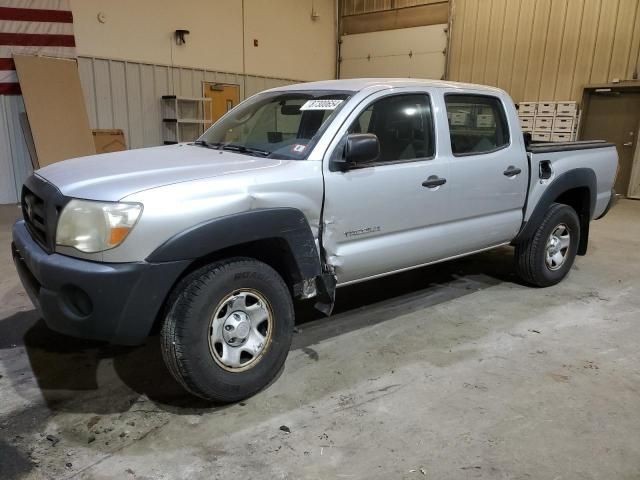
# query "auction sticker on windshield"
(298, 148)
(327, 104)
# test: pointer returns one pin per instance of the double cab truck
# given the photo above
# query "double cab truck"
(296, 192)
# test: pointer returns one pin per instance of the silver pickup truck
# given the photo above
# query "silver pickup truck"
(294, 193)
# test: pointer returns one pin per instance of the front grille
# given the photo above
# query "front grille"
(34, 213)
(41, 204)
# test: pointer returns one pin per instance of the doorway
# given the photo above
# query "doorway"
(613, 114)
(223, 98)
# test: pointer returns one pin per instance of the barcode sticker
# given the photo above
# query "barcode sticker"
(321, 104)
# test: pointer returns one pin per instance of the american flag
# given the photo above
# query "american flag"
(38, 27)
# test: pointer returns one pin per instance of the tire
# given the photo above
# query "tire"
(206, 310)
(532, 263)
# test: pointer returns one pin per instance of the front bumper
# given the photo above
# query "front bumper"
(115, 302)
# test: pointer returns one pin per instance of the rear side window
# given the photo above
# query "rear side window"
(477, 124)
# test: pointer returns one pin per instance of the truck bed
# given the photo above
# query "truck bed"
(594, 158)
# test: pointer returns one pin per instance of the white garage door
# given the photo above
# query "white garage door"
(416, 52)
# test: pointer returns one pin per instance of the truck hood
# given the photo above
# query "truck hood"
(112, 176)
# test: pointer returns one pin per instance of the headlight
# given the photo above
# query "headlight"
(96, 226)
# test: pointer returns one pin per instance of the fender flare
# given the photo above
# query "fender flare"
(286, 224)
(578, 177)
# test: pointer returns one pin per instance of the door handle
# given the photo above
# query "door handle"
(512, 171)
(434, 181)
(628, 144)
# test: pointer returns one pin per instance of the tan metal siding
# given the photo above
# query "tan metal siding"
(496, 34)
(544, 49)
(569, 50)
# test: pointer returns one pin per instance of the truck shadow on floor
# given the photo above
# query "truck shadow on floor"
(82, 376)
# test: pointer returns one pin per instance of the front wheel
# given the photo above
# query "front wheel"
(546, 258)
(228, 329)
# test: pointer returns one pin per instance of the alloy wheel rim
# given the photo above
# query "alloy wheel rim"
(240, 330)
(557, 248)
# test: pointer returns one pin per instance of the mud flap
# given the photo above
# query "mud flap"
(326, 288)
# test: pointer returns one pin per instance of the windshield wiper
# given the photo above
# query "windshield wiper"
(242, 149)
(204, 143)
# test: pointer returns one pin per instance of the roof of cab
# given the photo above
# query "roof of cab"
(357, 84)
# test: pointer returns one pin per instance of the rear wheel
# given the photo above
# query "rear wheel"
(228, 330)
(546, 258)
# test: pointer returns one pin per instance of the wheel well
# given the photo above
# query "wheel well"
(579, 199)
(275, 252)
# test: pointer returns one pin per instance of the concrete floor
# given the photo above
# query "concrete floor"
(454, 371)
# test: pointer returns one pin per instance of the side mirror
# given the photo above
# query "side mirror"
(360, 149)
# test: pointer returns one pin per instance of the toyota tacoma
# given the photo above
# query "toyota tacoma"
(296, 192)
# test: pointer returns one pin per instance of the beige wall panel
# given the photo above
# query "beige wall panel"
(553, 48)
(141, 30)
(537, 48)
(584, 58)
(55, 107)
(468, 25)
(544, 49)
(494, 45)
(480, 42)
(633, 65)
(521, 55)
(604, 42)
(622, 39)
(569, 50)
(456, 39)
(508, 48)
(290, 46)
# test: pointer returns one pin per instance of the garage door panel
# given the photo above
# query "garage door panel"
(408, 52)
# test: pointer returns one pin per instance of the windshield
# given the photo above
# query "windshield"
(283, 125)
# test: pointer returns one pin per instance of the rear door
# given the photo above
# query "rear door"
(488, 172)
(380, 218)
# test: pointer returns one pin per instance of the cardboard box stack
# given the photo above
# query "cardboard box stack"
(549, 121)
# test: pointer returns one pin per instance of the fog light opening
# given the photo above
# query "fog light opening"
(76, 301)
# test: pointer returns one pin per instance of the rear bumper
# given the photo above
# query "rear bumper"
(612, 202)
(116, 302)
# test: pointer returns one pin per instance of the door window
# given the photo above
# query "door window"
(477, 124)
(403, 125)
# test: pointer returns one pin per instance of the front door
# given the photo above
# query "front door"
(378, 218)
(223, 98)
(615, 116)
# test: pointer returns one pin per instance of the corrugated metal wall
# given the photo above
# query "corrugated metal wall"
(358, 7)
(126, 95)
(544, 49)
(15, 163)
(118, 94)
